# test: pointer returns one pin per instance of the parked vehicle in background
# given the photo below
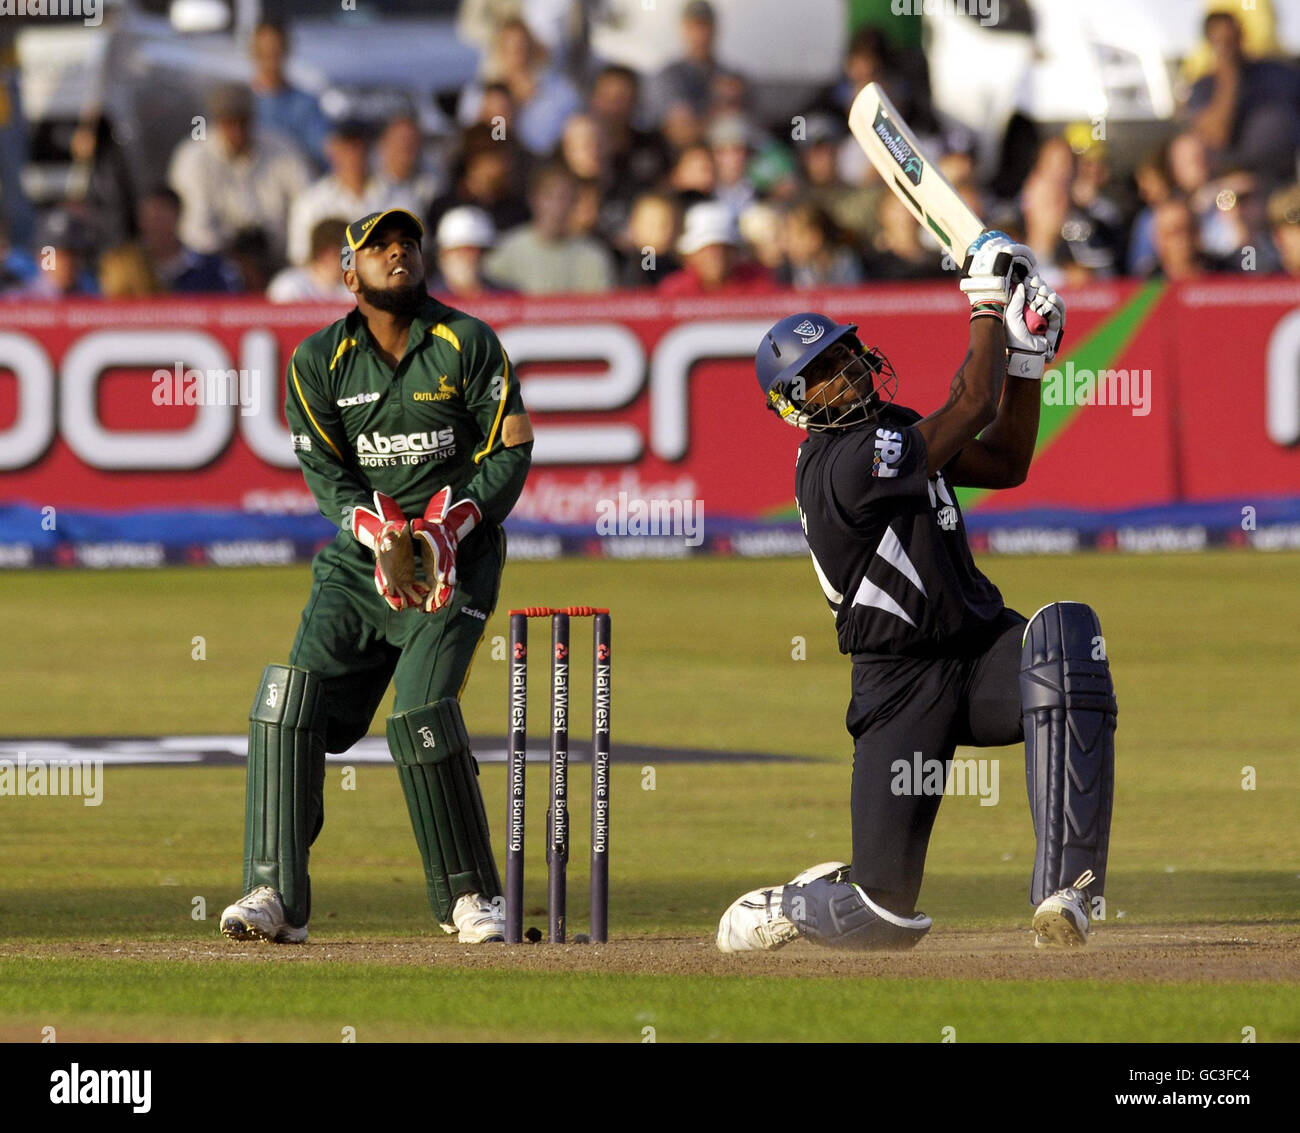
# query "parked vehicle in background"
(134, 84)
(1049, 64)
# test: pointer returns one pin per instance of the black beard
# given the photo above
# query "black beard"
(404, 302)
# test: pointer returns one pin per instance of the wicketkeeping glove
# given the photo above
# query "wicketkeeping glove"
(440, 532)
(995, 265)
(387, 533)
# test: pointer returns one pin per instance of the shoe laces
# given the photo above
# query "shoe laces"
(261, 897)
(1078, 891)
(477, 905)
(776, 925)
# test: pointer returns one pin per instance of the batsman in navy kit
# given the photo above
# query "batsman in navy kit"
(938, 658)
(407, 421)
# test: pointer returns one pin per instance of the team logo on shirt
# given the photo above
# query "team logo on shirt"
(889, 450)
(445, 391)
(809, 331)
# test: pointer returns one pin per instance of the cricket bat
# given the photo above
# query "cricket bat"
(916, 180)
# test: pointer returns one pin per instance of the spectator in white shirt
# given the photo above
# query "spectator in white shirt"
(347, 190)
(232, 178)
(320, 279)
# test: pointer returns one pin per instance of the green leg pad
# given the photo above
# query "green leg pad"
(286, 782)
(439, 777)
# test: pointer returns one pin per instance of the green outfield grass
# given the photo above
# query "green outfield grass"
(315, 1003)
(131, 868)
(705, 656)
(1202, 646)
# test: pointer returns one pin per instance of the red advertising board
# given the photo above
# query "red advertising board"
(1234, 351)
(656, 397)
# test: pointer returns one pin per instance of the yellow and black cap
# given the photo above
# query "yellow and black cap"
(359, 231)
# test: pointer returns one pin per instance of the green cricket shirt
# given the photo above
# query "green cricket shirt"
(359, 426)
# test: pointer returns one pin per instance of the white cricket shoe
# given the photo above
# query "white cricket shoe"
(259, 915)
(1061, 921)
(477, 919)
(754, 922)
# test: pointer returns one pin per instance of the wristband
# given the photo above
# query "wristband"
(990, 308)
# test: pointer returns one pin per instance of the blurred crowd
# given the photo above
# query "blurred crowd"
(564, 180)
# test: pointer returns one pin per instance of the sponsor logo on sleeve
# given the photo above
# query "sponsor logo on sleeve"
(889, 450)
(943, 503)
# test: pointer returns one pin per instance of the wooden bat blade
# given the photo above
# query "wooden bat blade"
(913, 177)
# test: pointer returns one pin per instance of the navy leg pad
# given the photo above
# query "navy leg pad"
(1068, 700)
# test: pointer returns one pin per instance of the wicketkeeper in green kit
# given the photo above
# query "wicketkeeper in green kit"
(407, 420)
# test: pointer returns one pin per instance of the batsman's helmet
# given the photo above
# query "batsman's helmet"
(786, 363)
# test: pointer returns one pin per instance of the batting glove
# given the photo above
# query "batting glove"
(1046, 303)
(387, 533)
(995, 265)
(440, 532)
(1026, 353)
